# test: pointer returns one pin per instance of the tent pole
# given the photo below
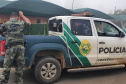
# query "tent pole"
(72, 4)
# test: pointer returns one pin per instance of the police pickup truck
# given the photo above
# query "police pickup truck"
(73, 42)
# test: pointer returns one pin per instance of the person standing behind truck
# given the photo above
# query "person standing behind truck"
(14, 32)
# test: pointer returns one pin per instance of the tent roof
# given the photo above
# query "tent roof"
(97, 13)
(33, 8)
(119, 17)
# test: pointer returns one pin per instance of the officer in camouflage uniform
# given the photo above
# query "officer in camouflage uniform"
(14, 32)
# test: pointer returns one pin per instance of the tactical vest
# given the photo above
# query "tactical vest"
(14, 31)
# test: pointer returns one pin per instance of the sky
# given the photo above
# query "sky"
(107, 6)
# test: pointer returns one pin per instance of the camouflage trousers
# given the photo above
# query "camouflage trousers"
(15, 55)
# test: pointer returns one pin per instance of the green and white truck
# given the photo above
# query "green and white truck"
(73, 41)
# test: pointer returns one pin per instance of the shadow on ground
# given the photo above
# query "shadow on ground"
(82, 76)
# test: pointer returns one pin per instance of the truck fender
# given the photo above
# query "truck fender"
(48, 46)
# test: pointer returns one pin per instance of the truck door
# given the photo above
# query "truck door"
(81, 41)
(111, 47)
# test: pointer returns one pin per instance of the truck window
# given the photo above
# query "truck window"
(55, 25)
(81, 27)
(106, 29)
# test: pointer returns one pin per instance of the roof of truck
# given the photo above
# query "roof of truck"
(62, 17)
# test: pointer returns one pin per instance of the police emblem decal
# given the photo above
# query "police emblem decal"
(85, 47)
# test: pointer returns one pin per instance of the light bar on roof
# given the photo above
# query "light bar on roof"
(87, 14)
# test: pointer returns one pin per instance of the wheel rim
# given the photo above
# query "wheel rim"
(48, 71)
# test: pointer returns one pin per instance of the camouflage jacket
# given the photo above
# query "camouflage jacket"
(14, 30)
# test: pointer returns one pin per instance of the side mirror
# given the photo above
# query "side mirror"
(122, 34)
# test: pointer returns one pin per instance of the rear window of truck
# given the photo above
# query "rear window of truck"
(55, 25)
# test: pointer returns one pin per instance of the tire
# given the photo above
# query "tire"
(47, 70)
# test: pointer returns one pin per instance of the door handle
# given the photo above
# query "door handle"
(101, 42)
(74, 42)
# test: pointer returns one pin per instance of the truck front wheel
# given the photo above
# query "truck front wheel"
(47, 70)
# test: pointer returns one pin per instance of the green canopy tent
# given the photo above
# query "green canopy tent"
(119, 17)
(96, 13)
(33, 8)
(120, 20)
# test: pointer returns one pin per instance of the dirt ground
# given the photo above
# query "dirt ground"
(102, 75)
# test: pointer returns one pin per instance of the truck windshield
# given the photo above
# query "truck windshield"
(55, 25)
